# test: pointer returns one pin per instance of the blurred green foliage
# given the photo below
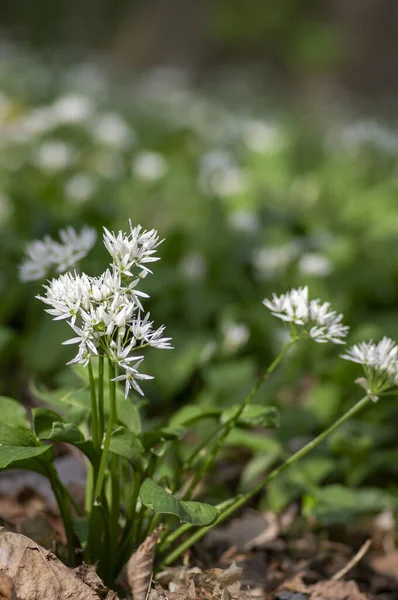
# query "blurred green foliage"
(250, 202)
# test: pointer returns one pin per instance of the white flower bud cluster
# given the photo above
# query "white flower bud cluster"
(45, 255)
(380, 363)
(309, 317)
(105, 312)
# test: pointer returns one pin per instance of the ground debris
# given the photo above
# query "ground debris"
(185, 583)
(336, 590)
(37, 573)
(386, 564)
(140, 566)
(295, 589)
(7, 591)
(253, 529)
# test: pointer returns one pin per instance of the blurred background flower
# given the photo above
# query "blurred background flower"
(258, 138)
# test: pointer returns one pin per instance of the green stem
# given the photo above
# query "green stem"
(63, 502)
(129, 537)
(111, 422)
(89, 488)
(95, 432)
(101, 412)
(243, 498)
(203, 445)
(115, 506)
(172, 537)
(230, 424)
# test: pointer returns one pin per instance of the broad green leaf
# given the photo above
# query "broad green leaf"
(13, 412)
(127, 444)
(301, 478)
(323, 401)
(253, 416)
(155, 436)
(254, 442)
(82, 373)
(173, 370)
(232, 380)
(337, 504)
(49, 425)
(128, 413)
(256, 467)
(31, 459)
(191, 413)
(63, 398)
(16, 436)
(157, 499)
(43, 420)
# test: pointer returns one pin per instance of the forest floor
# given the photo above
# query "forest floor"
(256, 555)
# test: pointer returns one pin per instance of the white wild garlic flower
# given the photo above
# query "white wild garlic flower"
(135, 249)
(45, 255)
(105, 312)
(308, 317)
(380, 365)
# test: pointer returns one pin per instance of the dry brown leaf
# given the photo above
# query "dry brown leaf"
(335, 590)
(157, 593)
(140, 566)
(37, 573)
(180, 576)
(7, 591)
(295, 584)
(193, 584)
(386, 564)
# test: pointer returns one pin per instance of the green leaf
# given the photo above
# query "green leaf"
(253, 416)
(16, 436)
(6, 335)
(301, 478)
(127, 444)
(165, 434)
(254, 442)
(13, 412)
(173, 370)
(195, 513)
(59, 398)
(49, 425)
(81, 528)
(128, 413)
(336, 504)
(256, 467)
(43, 420)
(323, 401)
(190, 414)
(31, 459)
(232, 380)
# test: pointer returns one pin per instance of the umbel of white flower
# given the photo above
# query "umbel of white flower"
(106, 312)
(380, 365)
(45, 255)
(308, 317)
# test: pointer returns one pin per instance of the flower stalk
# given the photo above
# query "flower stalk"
(107, 442)
(240, 500)
(232, 421)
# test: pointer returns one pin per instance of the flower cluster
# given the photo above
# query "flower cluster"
(105, 312)
(44, 255)
(380, 364)
(308, 317)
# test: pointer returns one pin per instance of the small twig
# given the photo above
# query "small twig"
(355, 559)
